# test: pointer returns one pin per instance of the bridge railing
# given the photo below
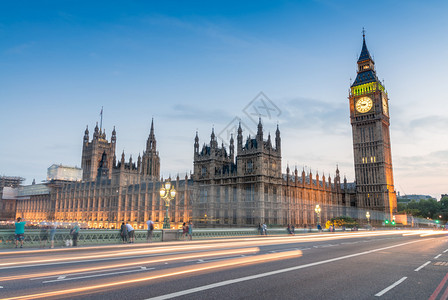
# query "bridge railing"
(34, 237)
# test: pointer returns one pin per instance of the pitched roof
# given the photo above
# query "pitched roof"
(365, 55)
(365, 77)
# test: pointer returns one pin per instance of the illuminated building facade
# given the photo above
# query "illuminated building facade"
(369, 114)
(242, 185)
(248, 187)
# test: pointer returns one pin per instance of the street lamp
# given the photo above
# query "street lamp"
(368, 218)
(167, 193)
(317, 209)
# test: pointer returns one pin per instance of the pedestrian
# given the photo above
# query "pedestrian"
(75, 232)
(124, 233)
(289, 229)
(265, 229)
(184, 231)
(52, 234)
(19, 233)
(319, 228)
(190, 230)
(150, 225)
(293, 230)
(44, 232)
(260, 229)
(131, 232)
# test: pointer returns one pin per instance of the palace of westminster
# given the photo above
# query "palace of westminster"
(242, 185)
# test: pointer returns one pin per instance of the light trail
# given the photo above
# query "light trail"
(194, 242)
(164, 274)
(261, 241)
(127, 264)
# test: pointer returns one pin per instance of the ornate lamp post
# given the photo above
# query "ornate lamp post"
(167, 193)
(317, 209)
(368, 218)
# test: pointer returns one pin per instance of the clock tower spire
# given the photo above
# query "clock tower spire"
(369, 115)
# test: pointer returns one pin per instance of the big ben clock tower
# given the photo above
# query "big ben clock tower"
(369, 114)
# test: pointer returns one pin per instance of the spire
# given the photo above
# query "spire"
(96, 132)
(151, 132)
(260, 130)
(196, 144)
(239, 138)
(86, 135)
(277, 140)
(151, 142)
(213, 141)
(114, 136)
(365, 55)
(231, 147)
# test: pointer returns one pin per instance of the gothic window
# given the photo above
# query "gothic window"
(235, 195)
(204, 171)
(250, 166)
(250, 193)
(203, 195)
(274, 194)
(218, 194)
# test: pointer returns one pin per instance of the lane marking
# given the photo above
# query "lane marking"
(237, 280)
(390, 287)
(220, 259)
(422, 266)
(61, 277)
(80, 273)
(437, 256)
(283, 250)
(96, 275)
(439, 288)
(445, 251)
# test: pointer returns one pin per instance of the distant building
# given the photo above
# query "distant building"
(416, 198)
(65, 173)
(8, 196)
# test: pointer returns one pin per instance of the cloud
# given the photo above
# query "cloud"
(315, 115)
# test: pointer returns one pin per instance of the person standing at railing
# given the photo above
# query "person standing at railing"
(150, 225)
(75, 232)
(43, 236)
(190, 230)
(52, 234)
(124, 233)
(131, 232)
(19, 233)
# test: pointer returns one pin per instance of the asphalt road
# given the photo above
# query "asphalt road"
(353, 265)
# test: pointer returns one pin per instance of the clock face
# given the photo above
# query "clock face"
(364, 104)
(385, 108)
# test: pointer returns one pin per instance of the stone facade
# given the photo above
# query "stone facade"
(242, 185)
(369, 114)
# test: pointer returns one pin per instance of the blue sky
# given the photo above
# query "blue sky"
(197, 65)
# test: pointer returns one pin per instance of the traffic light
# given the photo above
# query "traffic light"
(437, 221)
(386, 222)
(393, 222)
